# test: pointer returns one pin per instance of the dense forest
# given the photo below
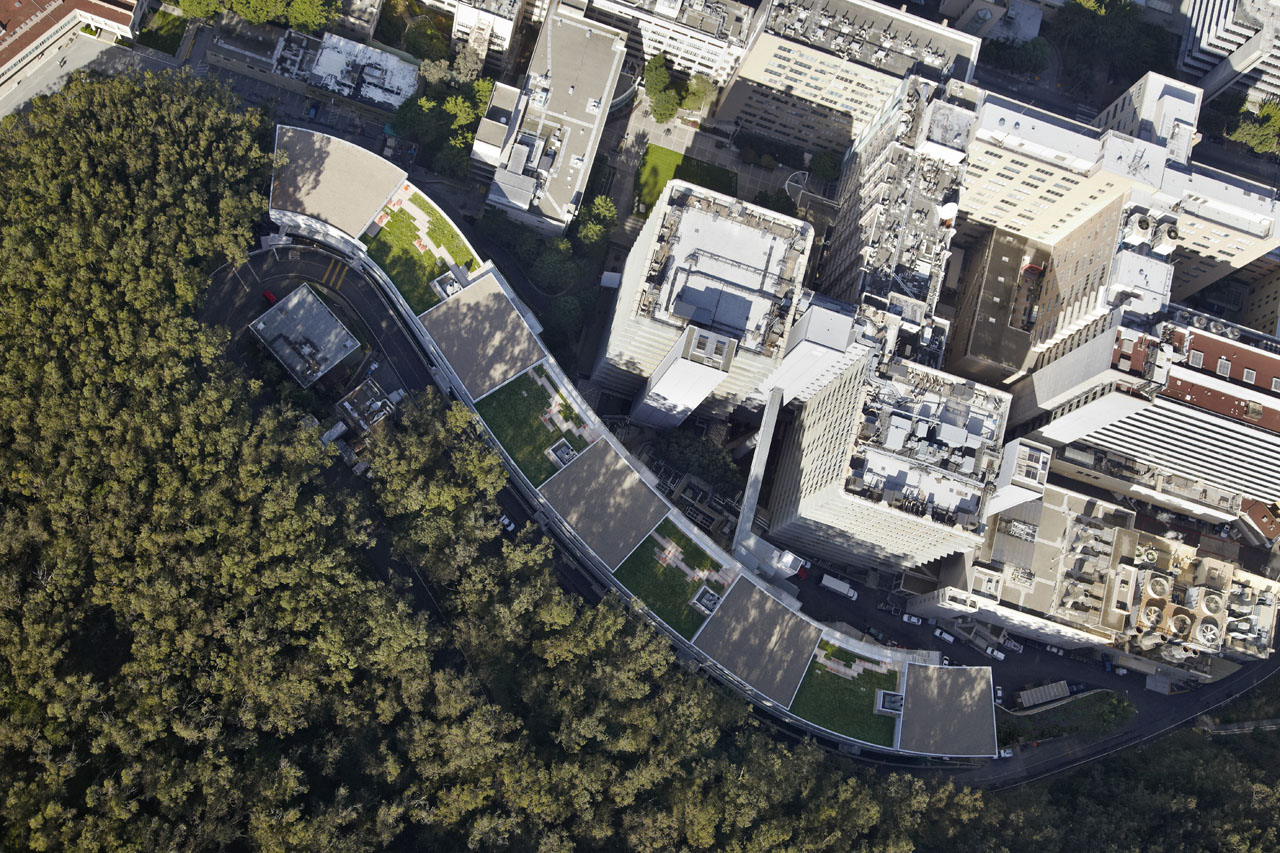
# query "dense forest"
(208, 641)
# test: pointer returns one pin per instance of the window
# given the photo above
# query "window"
(1196, 359)
(1275, 384)
(1224, 367)
(1250, 375)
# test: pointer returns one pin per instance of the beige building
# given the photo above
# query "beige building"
(697, 37)
(1043, 176)
(1073, 571)
(819, 74)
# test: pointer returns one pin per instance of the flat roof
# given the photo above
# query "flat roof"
(603, 498)
(760, 640)
(948, 710)
(330, 179)
(483, 336)
(576, 62)
(305, 335)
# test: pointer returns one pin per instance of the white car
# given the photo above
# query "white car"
(943, 635)
(1054, 650)
(992, 651)
(1007, 752)
(912, 619)
(507, 524)
(999, 695)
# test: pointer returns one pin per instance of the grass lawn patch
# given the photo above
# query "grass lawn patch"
(662, 164)
(444, 234)
(693, 556)
(164, 33)
(514, 413)
(412, 271)
(847, 656)
(846, 705)
(665, 590)
(1094, 715)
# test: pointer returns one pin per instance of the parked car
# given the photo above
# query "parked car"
(313, 109)
(507, 524)
(1121, 671)
(1007, 752)
(999, 695)
(269, 296)
(876, 633)
(1011, 644)
(992, 651)
(943, 635)
(1054, 650)
(946, 661)
(912, 619)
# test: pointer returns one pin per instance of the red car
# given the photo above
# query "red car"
(269, 296)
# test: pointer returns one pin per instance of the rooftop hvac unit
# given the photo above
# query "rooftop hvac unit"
(1137, 229)
(1158, 586)
(1153, 614)
(1208, 632)
(1180, 625)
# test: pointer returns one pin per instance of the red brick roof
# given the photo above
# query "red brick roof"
(27, 22)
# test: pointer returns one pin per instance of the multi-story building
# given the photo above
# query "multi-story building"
(369, 80)
(1178, 410)
(1232, 44)
(898, 195)
(819, 74)
(538, 142)
(698, 37)
(888, 466)
(704, 315)
(1074, 571)
(488, 27)
(1043, 177)
(30, 31)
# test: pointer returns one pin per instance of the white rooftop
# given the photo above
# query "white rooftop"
(1146, 278)
(361, 71)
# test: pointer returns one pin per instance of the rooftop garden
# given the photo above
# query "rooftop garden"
(662, 164)
(444, 235)
(846, 656)
(412, 270)
(846, 705)
(515, 413)
(667, 589)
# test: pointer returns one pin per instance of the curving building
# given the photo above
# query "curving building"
(606, 508)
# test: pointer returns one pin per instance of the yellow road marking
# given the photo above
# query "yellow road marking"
(328, 270)
(337, 282)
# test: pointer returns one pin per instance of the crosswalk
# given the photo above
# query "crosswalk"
(335, 274)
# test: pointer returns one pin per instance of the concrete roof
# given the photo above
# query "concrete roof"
(605, 501)
(305, 335)
(483, 336)
(760, 640)
(579, 60)
(331, 179)
(948, 710)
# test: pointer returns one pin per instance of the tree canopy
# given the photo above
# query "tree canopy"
(307, 15)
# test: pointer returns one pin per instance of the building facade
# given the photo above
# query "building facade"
(818, 75)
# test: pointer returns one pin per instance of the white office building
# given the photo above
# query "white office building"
(733, 273)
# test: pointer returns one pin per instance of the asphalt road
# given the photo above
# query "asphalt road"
(1156, 713)
(235, 298)
(70, 54)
